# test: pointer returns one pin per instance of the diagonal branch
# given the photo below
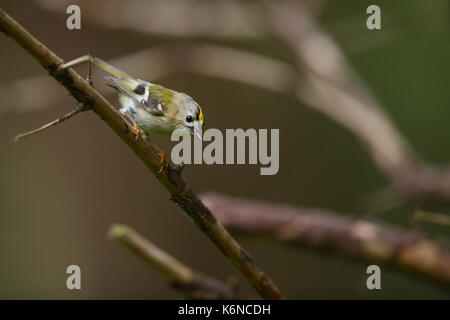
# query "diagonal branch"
(194, 284)
(321, 229)
(180, 193)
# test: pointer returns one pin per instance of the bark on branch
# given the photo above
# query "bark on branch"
(321, 229)
(180, 193)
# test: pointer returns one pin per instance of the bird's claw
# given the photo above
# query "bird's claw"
(162, 163)
(137, 132)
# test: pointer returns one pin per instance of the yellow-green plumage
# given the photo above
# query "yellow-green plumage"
(155, 109)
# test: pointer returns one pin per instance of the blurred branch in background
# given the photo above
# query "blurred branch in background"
(186, 18)
(421, 216)
(162, 61)
(193, 284)
(229, 19)
(321, 229)
(334, 89)
(149, 153)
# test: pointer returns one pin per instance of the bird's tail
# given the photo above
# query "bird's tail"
(109, 68)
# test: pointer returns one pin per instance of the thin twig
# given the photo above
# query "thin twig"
(180, 193)
(211, 19)
(194, 284)
(321, 229)
(65, 117)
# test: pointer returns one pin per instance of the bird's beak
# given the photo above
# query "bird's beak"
(198, 130)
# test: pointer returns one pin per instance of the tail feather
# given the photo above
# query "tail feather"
(109, 68)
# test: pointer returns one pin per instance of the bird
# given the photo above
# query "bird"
(152, 108)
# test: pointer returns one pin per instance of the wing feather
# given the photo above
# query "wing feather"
(138, 90)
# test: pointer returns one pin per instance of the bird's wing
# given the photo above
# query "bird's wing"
(139, 91)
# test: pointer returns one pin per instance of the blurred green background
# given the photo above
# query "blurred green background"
(62, 189)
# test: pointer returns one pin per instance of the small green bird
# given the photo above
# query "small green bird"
(152, 108)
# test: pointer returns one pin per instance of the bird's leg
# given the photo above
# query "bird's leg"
(137, 132)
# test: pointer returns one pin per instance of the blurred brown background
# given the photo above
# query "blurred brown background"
(63, 188)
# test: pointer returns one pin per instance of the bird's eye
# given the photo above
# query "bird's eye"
(189, 118)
